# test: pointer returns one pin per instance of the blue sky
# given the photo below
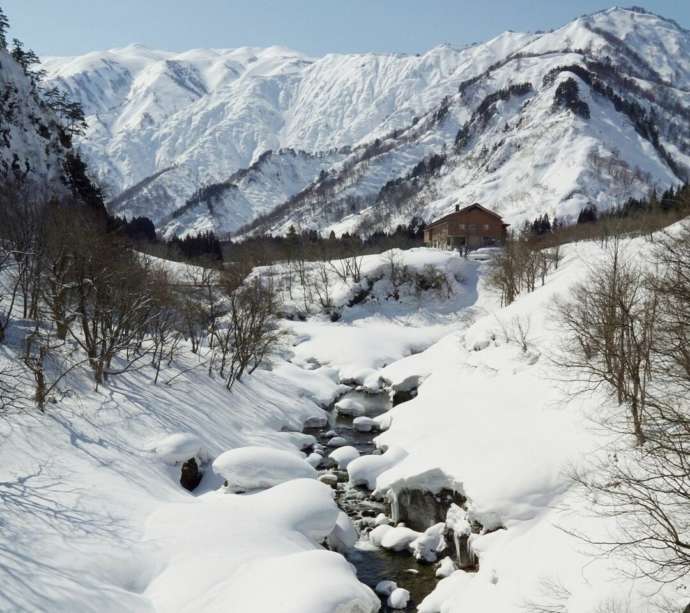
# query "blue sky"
(66, 27)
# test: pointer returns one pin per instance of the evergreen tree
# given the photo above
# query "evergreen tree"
(26, 58)
(587, 214)
(70, 112)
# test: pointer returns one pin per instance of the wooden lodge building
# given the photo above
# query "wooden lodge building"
(468, 228)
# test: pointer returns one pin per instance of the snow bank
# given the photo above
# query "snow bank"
(505, 428)
(252, 468)
(270, 539)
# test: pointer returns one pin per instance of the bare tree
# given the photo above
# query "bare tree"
(12, 396)
(165, 320)
(635, 341)
(321, 285)
(610, 324)
(252, 332)
(112, 302)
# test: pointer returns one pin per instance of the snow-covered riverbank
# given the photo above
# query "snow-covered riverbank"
(94, 518)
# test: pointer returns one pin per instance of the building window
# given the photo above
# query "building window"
(486, 226)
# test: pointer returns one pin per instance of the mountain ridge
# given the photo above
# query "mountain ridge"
(279, 100)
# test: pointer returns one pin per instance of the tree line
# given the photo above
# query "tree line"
(534, 249)
(80, 297)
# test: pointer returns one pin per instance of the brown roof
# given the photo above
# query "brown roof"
(476, 205)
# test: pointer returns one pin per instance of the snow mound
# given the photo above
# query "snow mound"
(179, 447)
(252, 468)
(365, 470)
(344, 455)
(314, 459)
(398, 538)
(385, 587)
(231, 548)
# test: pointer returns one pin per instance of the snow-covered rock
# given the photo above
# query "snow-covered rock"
(377, 534)
(344, 455)
(253, 468)
(344, 535)
(428, 545)
(385, 587)
(337, 441)
(350, 406)
(363, 424)
(398, 538)
(446, 567)
(398, 598)
(314, 459)
(179, 447)
(366, 469)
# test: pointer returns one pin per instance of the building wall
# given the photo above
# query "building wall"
(472, 228)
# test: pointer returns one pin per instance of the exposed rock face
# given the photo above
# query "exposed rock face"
(190, 475)
(405, 390)
(420, 509)
(400, 396)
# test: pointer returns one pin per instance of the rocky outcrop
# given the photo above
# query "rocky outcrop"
(190, 475)
(419, 509)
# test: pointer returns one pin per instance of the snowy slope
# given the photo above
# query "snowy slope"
(221, 109)
(178, 203)
(94, 517)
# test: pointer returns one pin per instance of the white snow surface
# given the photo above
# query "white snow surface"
(94, 518)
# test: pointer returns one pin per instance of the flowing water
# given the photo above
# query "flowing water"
(374, 564)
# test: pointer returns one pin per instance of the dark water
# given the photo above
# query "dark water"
(373, 564)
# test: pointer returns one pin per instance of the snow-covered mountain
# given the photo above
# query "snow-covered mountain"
(594, 112)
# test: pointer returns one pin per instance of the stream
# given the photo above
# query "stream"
(373, 564)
